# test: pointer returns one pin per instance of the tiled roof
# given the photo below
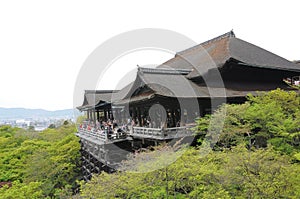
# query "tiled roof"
(173, 78)
(94, 97)
(216, 52)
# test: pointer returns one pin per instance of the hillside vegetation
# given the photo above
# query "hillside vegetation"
(256, 155)
(39, 165)
(254, 152)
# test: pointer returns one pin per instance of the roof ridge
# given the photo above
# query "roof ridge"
(100, 91)
(164, 71)
(225, 35)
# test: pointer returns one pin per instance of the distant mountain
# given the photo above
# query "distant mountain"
(23, 113)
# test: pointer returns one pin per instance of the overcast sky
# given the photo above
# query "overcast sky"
(43, 44)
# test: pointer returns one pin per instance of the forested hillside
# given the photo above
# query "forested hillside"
(39, 165)
(254, 152)
(257, 155)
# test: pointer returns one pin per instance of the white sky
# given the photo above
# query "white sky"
(43, 44)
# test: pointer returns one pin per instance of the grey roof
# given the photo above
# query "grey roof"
(173, 78)
(256, 56)
(170, 83)
(95, 97)
(164, 82)
(122, 93)
(216, 52)
(174, 85)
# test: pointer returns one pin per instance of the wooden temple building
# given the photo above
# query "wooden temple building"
(163, 102)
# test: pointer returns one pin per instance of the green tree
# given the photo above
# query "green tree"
(49, 159)
(22, 191)
(52, 126)
(256, 156)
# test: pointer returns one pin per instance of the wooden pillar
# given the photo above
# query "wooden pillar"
(173, 117)
(123, 117)
(91, 112)
(139, 116)
(183, 117)
(110, 114)
(142, 123)
(98, 116)
(88, 114)
(105, 116)
(177, 116)
(168, 119)
(145, 115)
(94, 115)
(116, 115)
(133, 114)
(201, 109)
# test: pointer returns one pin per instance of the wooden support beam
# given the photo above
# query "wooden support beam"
(91, 115)
(139, 116)
(94, 115)
(88, 114)
(105, 114)
(98, 115)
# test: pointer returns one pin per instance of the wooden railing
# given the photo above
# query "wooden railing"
(147, 131)
(161, 133)
(101, 135)
(95, 134)
(143, 132)
(177, 132)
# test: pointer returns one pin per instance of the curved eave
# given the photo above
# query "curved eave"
(135, 99)
(271, 67)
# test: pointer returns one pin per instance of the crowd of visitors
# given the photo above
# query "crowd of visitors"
(112, 129)
(108, 128)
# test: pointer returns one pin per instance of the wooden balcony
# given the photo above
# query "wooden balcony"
(100, 137)
(161, 133)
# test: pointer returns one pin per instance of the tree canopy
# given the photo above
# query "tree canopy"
(255, 155)
(39, 164)
(254, 152)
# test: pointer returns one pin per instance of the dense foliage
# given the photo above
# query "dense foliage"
(39, 164)
(255, 154)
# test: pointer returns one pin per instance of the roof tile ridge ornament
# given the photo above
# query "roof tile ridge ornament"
(225, 35)
(139, 70)
(229, 34)
(229, 56)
